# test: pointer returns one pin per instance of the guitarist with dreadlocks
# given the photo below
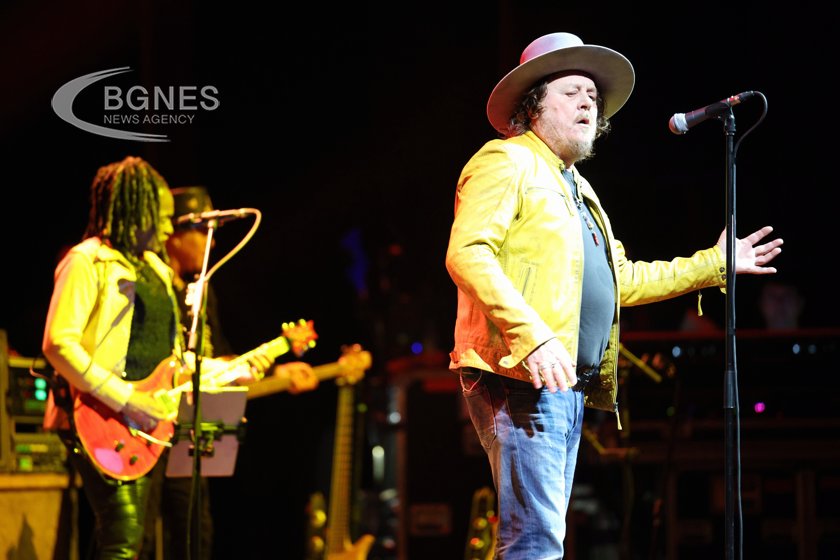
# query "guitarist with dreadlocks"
(113, 318)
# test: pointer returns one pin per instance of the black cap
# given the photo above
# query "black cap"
(190, 200)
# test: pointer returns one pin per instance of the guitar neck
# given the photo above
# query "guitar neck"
(273, 349)
(338, 535)
(278, 384)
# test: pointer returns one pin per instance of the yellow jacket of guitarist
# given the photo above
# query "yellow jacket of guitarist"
(89, 323)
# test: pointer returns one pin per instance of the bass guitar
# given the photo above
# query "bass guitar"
(346, 366)
(329, 537)
(120, 449)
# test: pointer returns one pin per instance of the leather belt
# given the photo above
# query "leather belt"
(585, 375)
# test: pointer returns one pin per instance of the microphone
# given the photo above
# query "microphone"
(221, 216)
(681, 122)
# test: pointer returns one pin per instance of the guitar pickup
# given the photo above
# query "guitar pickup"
(169, 402)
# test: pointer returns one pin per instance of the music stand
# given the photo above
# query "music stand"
(222, 430)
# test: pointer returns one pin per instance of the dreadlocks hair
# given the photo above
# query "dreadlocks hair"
(124, 199)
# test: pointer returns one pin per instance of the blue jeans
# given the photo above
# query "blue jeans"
(531, 438)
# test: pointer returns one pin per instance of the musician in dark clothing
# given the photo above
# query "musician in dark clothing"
(171, 498)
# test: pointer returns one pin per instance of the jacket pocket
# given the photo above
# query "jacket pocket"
(526, 280)
(546, 198)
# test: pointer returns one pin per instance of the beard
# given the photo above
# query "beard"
(580, 149)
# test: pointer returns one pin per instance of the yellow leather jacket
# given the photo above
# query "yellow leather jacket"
(89, 323)
(516, 255)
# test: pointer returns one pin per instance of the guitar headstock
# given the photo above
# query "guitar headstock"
(354, 362)
(301, 336)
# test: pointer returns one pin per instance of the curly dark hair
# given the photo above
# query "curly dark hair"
(530, 107)
(125, 199)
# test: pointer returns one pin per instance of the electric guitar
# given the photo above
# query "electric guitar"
(333, 542)
(481, 539)
(120, 449)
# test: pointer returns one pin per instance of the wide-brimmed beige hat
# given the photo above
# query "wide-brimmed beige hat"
(557, 52)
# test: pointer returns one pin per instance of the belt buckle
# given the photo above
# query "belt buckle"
(584, 377)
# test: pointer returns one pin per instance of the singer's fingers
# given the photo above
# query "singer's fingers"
(766, 253)
(771, 247)
(758, 235)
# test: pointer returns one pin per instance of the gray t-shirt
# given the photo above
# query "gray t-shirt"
(597, 307)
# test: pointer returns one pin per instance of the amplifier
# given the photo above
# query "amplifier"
(38, 453)
(27, 396)
(5, 424)
(437, 477)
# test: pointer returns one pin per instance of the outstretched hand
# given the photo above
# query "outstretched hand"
(751, 258)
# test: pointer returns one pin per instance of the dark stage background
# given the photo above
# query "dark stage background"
(347, 126)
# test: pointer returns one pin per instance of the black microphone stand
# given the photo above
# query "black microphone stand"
(723, 112)
(196, 345)
(730, 384)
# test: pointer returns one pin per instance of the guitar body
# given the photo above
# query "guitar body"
(357, 551)
(481, 540)
(112, 442)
